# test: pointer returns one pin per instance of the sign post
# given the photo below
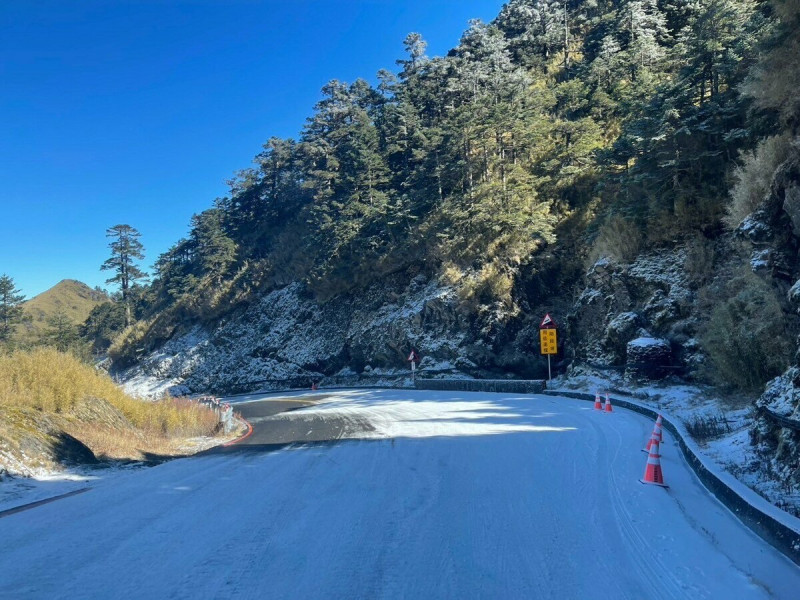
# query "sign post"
(413, 358)
(548, 340)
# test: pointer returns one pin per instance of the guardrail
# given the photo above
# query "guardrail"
(770, 529)
(304, 382)
(223, 410)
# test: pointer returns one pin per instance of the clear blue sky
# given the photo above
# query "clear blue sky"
(138, 111)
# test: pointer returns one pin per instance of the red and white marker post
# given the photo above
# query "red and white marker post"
(413, 358)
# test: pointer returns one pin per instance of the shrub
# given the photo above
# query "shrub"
(619, 239)
(491, 285)
(747, 337)
(699, 262)
(753, 177)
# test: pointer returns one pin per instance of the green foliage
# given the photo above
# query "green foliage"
(476, 162)
(746, 337)
(11, 311)
(214, 249)
(61, 332)
(103, 324)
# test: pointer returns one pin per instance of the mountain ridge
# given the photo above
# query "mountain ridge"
(71, 297)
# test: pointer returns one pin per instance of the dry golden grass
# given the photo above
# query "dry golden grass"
(107, 442)
(57, 383)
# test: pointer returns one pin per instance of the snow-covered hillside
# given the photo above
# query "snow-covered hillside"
(286, 335)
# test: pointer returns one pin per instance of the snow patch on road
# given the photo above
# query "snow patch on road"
(421, 419)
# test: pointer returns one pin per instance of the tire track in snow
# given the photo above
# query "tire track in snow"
(644, 559)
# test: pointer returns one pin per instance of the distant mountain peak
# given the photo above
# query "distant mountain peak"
(69, 296)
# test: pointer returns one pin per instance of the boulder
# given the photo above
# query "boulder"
(648, 357)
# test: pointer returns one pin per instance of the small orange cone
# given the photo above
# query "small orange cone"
(608, 404)
(598, 405)
(652, 473)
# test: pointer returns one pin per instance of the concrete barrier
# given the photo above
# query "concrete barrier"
(773, 531)
(510, 386)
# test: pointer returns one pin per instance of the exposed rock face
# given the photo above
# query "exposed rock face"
(620, 331)
(791, 205)
(287, 335)
(33, 443)
(773, 228)
(774, 231)
(620, 303)
(778, 444)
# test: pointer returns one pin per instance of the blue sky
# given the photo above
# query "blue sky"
(138, 111)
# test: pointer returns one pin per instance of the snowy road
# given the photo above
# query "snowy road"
(441, 495)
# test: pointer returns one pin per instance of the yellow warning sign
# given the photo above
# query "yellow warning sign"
(548, 341)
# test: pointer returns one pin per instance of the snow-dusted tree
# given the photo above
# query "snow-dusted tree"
(606, 65)
(643, 29)
(415, 47)
(536, 28)
(125, 248)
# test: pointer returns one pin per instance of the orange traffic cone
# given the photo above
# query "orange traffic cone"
(657, 434)
(652, 473)
(597, 404)
(608, 404)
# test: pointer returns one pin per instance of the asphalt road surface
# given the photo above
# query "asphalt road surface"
(267, 415)
(400, 494)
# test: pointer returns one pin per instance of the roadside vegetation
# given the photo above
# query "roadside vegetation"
(53, 408)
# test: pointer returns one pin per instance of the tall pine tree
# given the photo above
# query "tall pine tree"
(125, 249)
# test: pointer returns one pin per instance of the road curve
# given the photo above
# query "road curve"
(415, 495)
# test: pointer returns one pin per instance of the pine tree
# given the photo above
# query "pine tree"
(10, 308)
(415, 47)
(125, 248)
(214, 250)
(61, 333)
(775, 80)
(643, 29)
(104, 322)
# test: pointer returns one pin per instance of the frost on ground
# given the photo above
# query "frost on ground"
(21, 484)
(702, 409)
(17, 491)
(286, 335)
(463, 495)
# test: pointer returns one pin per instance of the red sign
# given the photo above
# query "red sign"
(413, 357)
(547, 322)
